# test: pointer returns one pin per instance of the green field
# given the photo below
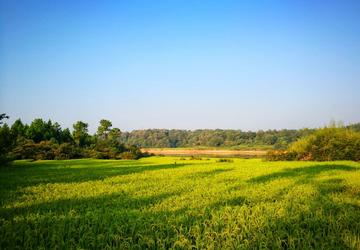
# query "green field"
(165, 202)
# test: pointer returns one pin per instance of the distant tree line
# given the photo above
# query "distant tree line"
(46, 140)
(271, 139)
(213, 138)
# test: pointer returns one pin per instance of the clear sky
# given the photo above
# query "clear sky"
(181, 64)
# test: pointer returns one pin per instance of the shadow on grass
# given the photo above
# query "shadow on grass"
(335, 222)
(68, 172)
(48, 164)
(307, 172)
(327, 219)
(207, 174)
(233, 202)
(122, 221)
(118, 201)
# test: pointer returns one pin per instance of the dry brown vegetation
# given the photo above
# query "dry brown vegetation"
(205, 152)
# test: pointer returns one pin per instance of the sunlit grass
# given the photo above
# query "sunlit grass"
(165, 202)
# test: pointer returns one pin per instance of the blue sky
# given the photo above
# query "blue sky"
(181, 64)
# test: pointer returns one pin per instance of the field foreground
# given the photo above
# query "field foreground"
(165, 202)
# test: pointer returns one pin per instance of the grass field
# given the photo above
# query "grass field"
(164, 202)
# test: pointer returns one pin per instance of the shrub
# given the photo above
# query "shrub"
(44, 150)
(225, 160)
(24, 149)
(128, 156)
(192, 157)
(326, 144)
(280, 155)
(67, 151)
(135, 151)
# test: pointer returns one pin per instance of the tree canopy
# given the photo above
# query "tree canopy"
(47, 140)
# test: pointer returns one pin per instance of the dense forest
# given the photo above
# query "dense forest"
(46, 140)
(173, 138)
(212, 138)
(161, 138)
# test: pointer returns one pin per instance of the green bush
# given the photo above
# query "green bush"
(280, 155)
(192, 157)
(67, 151)
(44, 150)
(5, 142)
(225, 160)
(128, 156)
(326, 144)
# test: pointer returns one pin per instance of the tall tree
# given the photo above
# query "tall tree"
(18, 129)
(104, 128)
(114, 134)
(6, 141)
(65, 136)
(80, 133)
(37, 130)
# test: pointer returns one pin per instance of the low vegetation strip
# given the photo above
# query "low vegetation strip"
(205, 152)
(179, 203)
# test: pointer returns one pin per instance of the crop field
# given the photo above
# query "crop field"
(168, 202)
